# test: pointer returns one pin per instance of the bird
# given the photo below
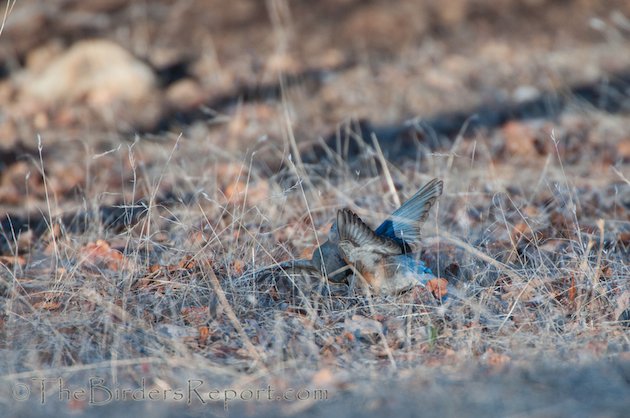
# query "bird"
(385, 258)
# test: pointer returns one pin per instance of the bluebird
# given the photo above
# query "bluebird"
(384, 257)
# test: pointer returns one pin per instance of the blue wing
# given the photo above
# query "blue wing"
(411, 263)
(403, 226)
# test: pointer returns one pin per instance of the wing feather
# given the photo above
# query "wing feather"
(353, 229)
(404, 224)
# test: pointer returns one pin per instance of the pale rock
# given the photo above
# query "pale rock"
(184, 94)
(364, 328)
(39, 58)
(97, 71)
(525, 93)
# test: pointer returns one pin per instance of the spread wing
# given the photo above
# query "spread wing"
(354, 231)
(404, 225)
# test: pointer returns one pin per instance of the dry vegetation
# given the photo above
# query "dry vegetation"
(141, 258)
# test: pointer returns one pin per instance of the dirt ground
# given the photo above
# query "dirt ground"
(155, 157)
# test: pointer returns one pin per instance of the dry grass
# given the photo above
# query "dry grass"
(536, 263)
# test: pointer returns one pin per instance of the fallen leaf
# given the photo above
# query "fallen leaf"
(519, 139)
(572, 289)
(10, 260)
(187, 263)
(238, 266)
(439, 287)
(234, 191)
(624, 238)
(496, 360)
(196, 315)
(204, 333)
(99, 253)
(623, 150)
(521, 229)
(48, 305)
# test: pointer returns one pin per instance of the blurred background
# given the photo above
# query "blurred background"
(88, 77)
(122, 66)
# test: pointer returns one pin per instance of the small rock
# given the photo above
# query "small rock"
(525, 93)
(519, 139)
(364, 328)
(177, 332)
(184, 94)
